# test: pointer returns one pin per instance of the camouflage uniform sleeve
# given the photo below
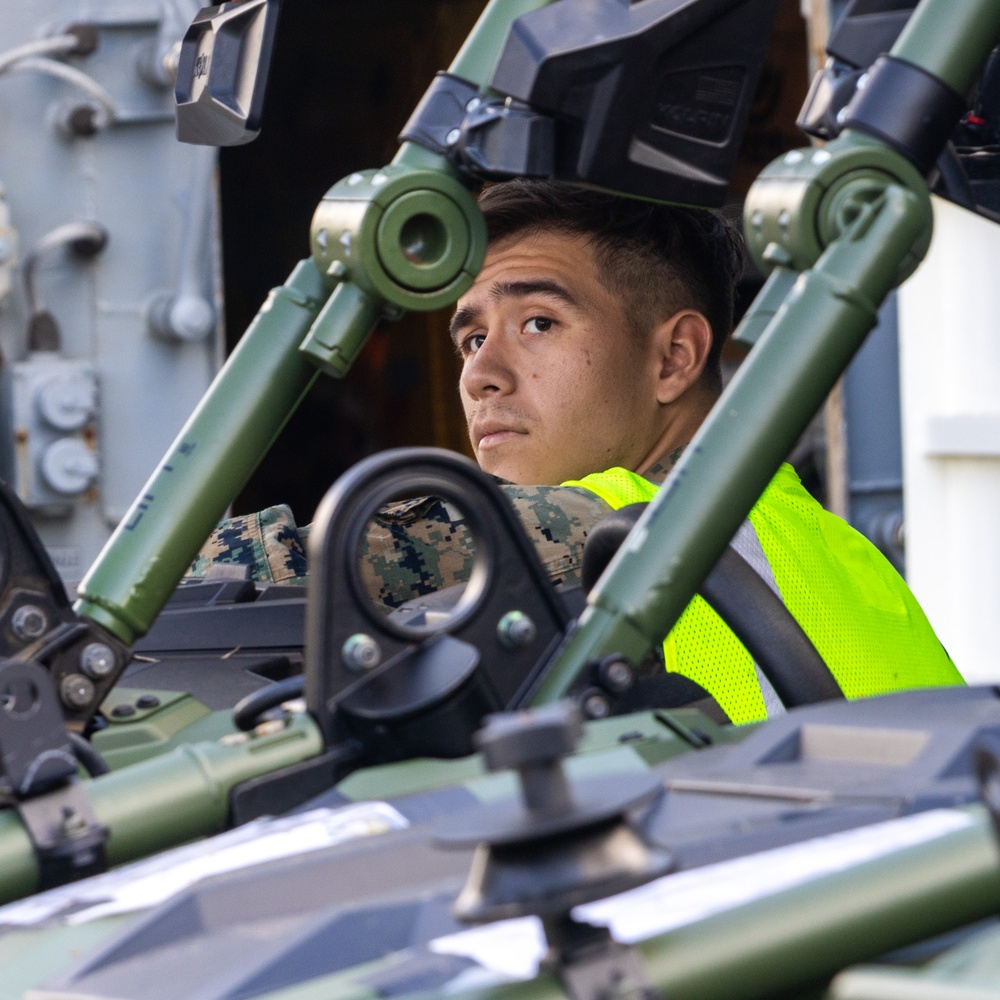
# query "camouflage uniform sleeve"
(269, 542)
(420, 546)
(414, 547)
(557, 519)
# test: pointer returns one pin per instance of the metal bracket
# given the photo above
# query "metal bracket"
(37, 624)
(487, 138)
(68, 839)
(436, 120)
(38, 763)
(429, 677)
(986, 760)
(507, 138)
(35, 752)
(593, 966)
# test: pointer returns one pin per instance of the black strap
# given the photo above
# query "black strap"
(908, 108)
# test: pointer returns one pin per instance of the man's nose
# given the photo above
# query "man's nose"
(489, 370)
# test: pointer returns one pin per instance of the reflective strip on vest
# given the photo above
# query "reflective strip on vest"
(848, 599)
(747, 544)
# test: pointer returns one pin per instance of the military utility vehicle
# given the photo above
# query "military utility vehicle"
(290, 794)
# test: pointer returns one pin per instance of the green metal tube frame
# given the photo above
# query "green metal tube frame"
(801, 937)
(207, 465)
(249, 402)
(192, 786)
(802, 349)
(739, 447)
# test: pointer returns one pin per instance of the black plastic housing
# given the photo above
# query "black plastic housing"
(868, 29)
(650, 98)
(436, 673)
(222, 72)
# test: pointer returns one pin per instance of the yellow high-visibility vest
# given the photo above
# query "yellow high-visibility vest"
(856, 609)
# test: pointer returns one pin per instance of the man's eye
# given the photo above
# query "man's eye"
(538, 324)
(472, 344)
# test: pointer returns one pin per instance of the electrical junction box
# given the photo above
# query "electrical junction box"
(110, 303)
(54, 405)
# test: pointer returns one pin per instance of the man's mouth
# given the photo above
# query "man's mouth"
(490, 435)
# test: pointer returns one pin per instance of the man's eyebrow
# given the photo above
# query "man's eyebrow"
(467, 315)
(536, 286)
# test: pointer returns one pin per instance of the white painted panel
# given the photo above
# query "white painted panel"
(950, 374)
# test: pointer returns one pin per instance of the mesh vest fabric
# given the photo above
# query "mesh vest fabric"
(857, 610)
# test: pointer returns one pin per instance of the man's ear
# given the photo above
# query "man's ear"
(683, 343)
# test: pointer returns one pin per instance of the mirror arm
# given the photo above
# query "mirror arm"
(361, 269)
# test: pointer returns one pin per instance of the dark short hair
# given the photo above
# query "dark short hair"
(657, 258)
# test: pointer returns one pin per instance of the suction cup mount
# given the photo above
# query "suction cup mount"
(557, 847)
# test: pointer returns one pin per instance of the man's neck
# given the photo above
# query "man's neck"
(661, 467)
(681, 422)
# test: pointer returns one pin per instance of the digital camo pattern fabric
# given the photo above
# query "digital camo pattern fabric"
(269, 542)
(414, 547)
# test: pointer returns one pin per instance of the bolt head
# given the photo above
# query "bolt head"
(97, 660)
(29, 622)
(617, 674)
(76, 691)
(516, 630)
(361, 652)
(74, 825)
(596, 705)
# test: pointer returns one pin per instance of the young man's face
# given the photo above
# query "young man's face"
(554, 384)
